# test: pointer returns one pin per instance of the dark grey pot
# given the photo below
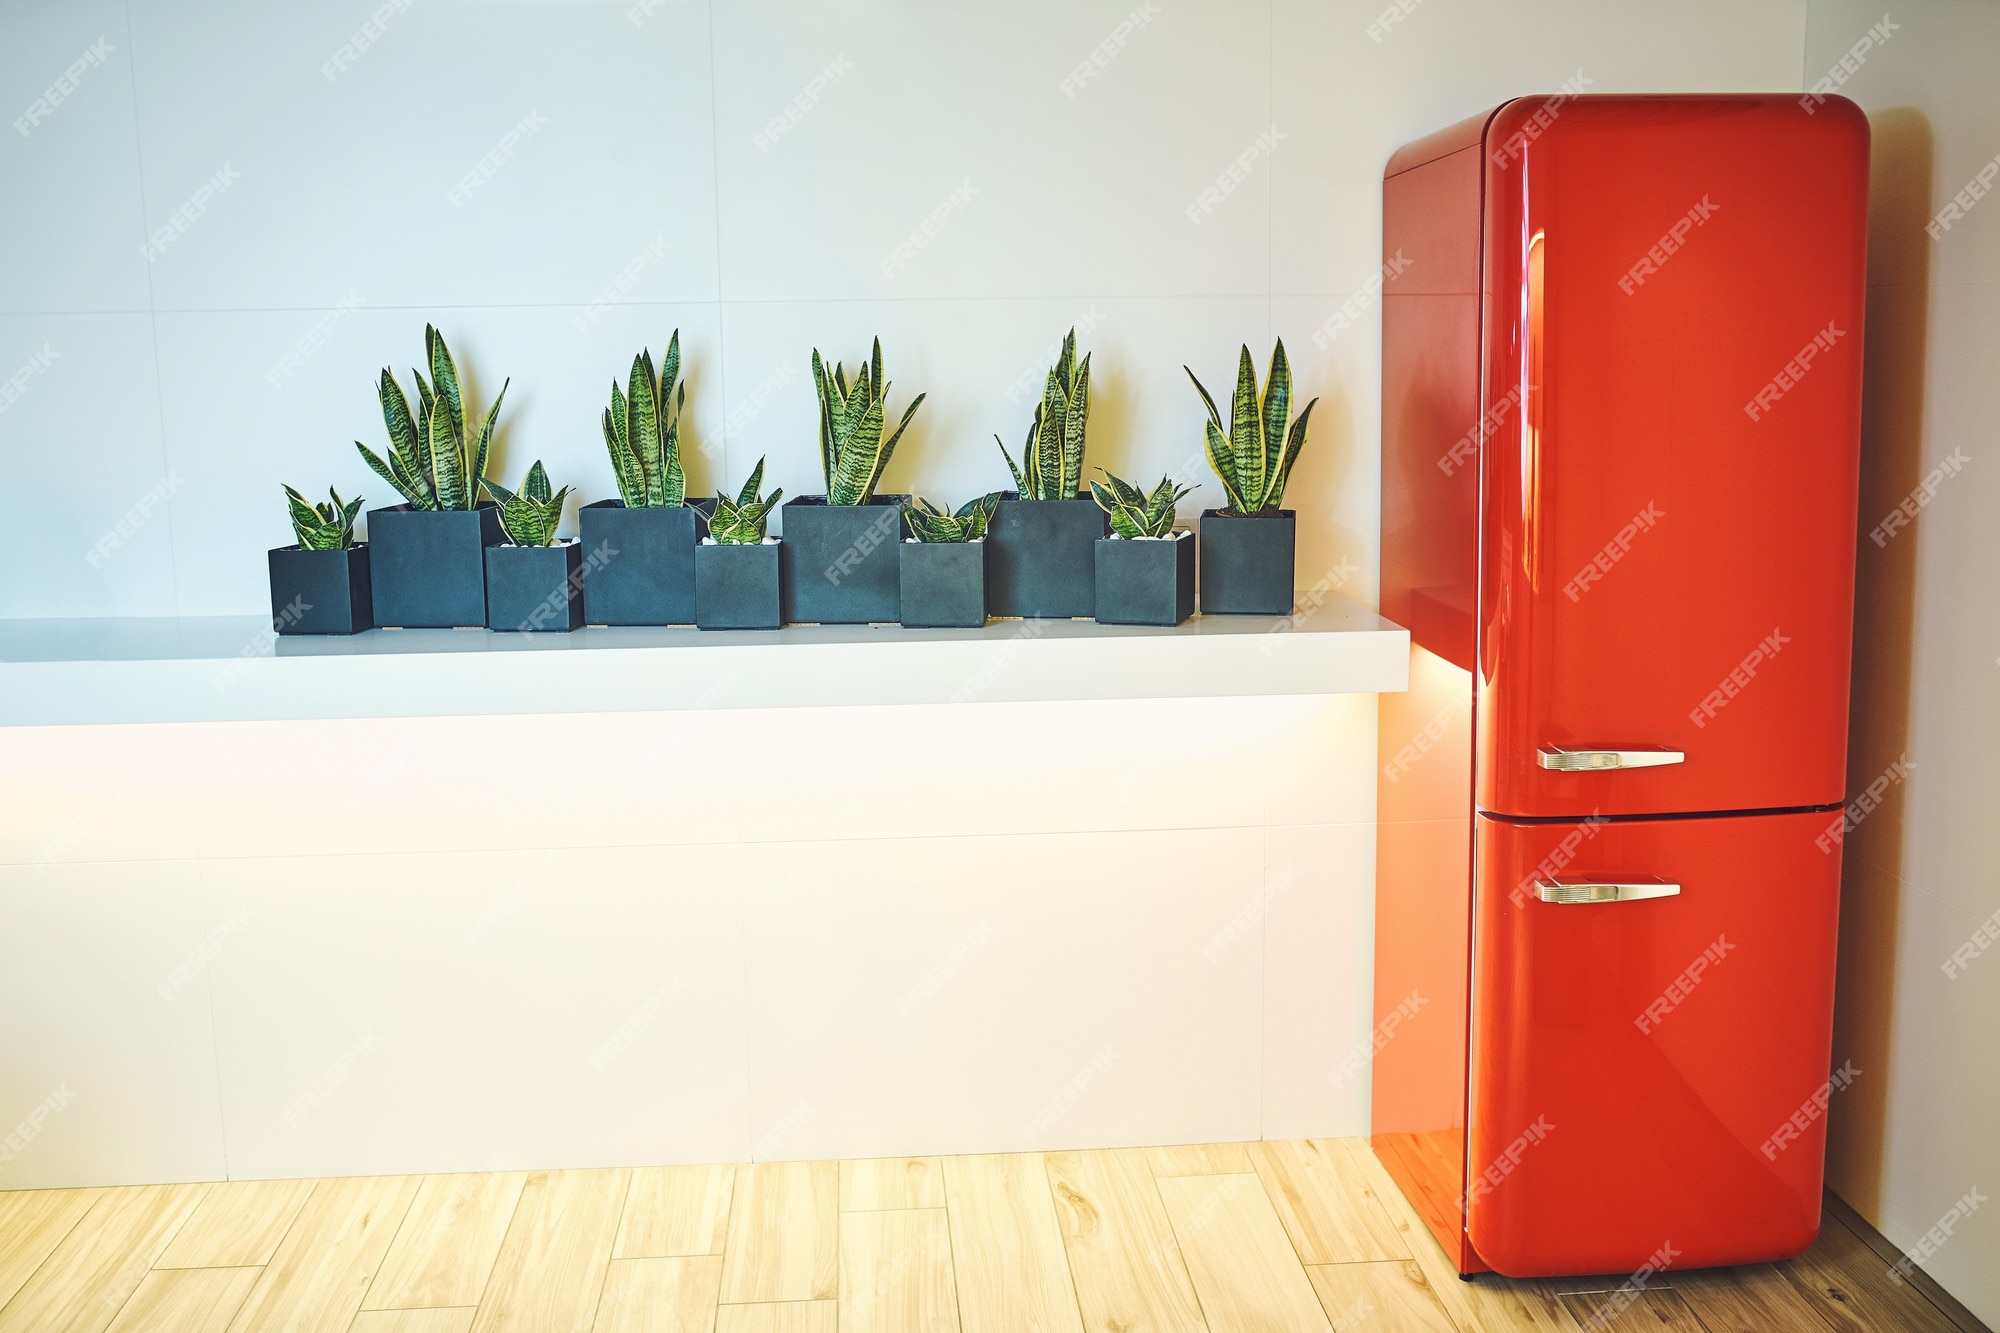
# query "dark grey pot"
(1040, 557)
(535, 587)
(641, 562)
(427, 567)
(944, 584)
(1145, 582)
(840, 565)
(320, 592)
(1247, 562)
(736, 587)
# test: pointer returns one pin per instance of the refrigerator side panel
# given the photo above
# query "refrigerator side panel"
(1672, 332)
(1423, 913)
(1649, 1078)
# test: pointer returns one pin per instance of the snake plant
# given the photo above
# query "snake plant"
(323, 527)
(1051, 466)
(852, 450)
(740, 522)
(430, 459)
(1135, 513)
(1255, 459)
(931, 524)
(530, 515)
(642, 429)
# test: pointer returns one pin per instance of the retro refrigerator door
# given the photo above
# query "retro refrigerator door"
(1672, 351)
(1652, 1018)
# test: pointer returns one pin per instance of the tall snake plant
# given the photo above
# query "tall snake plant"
(323, 527)
(1051, 466)
(740, 522)
(642, 429)
(1254, 461)
(852, 450)
(529, 516)
(430, 459)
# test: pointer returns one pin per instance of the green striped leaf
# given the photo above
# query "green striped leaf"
(1074, 419)
(448, 477)
(1246, 430)
(483, 452)
(1277, 411)
(642, 424)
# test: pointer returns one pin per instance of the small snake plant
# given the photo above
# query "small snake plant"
(1254, 461)
(429, 459)
(1135, 513)
(852, 450)
(642, 429)
(741, 522)
(323, 527)
(931, 524)
(530, 515)
(1051, 466)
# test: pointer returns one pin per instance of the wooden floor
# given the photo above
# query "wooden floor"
(1249, 1237)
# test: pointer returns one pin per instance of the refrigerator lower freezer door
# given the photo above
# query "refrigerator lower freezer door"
(1649, 1075)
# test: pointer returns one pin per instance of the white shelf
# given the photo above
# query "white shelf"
(227, 669)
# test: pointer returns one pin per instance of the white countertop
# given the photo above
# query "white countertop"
(231, 668)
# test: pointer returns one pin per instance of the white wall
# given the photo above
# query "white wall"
(1914, 1133)
(648, 132)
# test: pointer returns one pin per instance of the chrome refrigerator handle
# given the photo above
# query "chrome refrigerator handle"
(1560, 891)
(1588, 761)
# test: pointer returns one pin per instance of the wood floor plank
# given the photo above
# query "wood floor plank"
(446, 1248)
(1123, 1258)
(97, 1266)
(895, 1272)
(412, 1321)
(1747, 1300)
(238, 1224)
(1006, 1247)
(1652, 1310)
(675, 1210)
(1848, 1284)
(784, 1317)
(317, 1278)
(1484, 1305)
(185, 1300)
(664, 1295)
(784, 1234)
(1390, 1296)
(550, 1273)
(1200, 1159)
(32, 1224)
(1242, 1265)
(891, 1182)
(1327, 1204)
(1837, 1210)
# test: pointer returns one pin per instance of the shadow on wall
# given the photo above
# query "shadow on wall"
(1892, 432)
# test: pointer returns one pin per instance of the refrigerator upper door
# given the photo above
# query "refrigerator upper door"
(1671, 349)
(1649, 1068)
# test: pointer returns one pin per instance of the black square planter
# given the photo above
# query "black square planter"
(1246, 563)
(1145, 581)
(427, 567)
(1041, 558)
(944, 584)
(535, 587)
(320, 592)
(840, 565)
(736, 587)
(641, 563)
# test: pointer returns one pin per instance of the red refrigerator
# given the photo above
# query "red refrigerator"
(1621, 411)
